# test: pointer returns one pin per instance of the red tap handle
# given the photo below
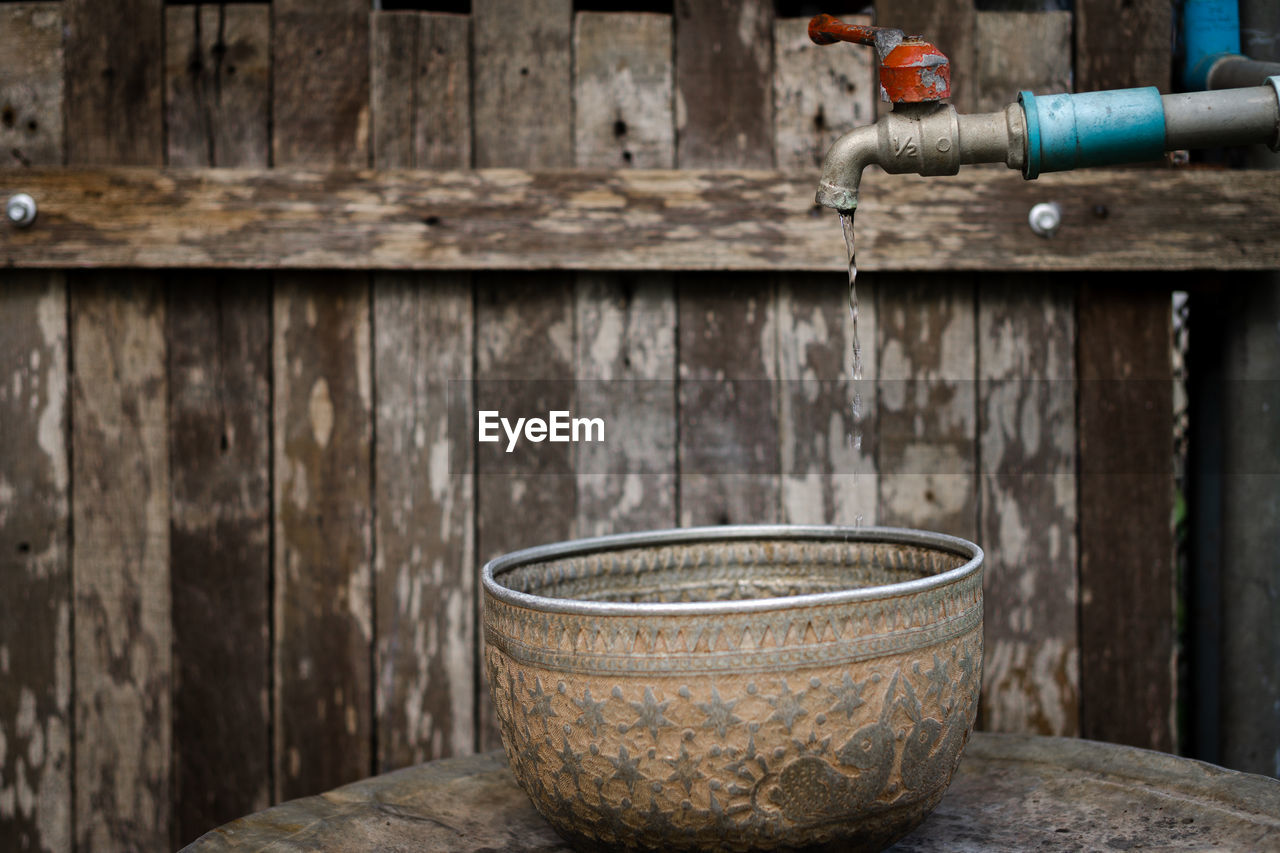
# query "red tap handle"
(824, 29)
(911, 70)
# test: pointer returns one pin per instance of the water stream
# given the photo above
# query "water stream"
(855, 406)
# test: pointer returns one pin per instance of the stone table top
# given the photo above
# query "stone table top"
(1011, 793)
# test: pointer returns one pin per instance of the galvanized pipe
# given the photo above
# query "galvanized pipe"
(1235, 71)
(1221, 118)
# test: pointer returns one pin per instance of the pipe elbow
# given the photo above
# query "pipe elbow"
(843, 165)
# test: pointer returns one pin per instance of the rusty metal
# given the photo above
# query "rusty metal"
(912, 70)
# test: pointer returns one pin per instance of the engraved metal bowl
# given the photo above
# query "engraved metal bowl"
(736, 688)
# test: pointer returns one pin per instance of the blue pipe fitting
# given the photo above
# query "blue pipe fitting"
(1211, 31)
(1067, 132)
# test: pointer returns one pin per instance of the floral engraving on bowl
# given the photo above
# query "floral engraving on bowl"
(677, 757)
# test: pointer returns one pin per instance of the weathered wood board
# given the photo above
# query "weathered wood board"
(35, 569)
(522, 80)
(322, 425)
(31, 84)
(1028, 512)
(217, 79)
(1027, 434)
(638, 220)
(1123, 348)
(35, 511)
(219, 367)
(1126, 512)
(219, 333)
(424, 578)
(727, 345)
(120, 515)
(927, 402)
(624, 345)
(119, 450)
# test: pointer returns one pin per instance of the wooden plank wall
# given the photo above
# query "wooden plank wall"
(271, 587)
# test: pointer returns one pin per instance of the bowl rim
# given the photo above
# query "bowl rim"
(498, 566)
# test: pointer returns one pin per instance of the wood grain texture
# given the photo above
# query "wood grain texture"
(219, 334)
(323, 422)
(35, 512)
(120, 514)
(1126, 508)
(424, 579)
(424, 570)
(521, 78)
(728, 362)
(625, 354)
(1019, 51)
(724, 84)
(927, 404)
(114, 82)
(524, 368)
(1027, 434)
(35, 569)
(638, 220)
(622, 91)
(828, 457)
(320, 83)
(1027, 444)
(728, 449)
(1122, 44)
(217, 79)
(818, 93)
(323, 597)
(948, 24)
(1126, 443)
(31, 84)
(122, 622)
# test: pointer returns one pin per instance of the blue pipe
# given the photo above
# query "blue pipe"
(1211, 30)
(1067, 132)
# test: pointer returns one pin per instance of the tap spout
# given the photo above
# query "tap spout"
(924, 138)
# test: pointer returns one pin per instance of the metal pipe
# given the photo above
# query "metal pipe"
(1221, 118)
(1234, 71)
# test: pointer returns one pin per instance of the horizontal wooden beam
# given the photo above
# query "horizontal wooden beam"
(637, 220)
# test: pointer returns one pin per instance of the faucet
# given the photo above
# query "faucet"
(923, 134)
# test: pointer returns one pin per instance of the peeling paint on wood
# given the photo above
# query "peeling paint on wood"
(425, 589)
(424, 572)
(120, 514)
(1027, 444)
(625, 353)
(927, 406)
(323, 598)
(323, 423)
(35, 572)
(36, 703)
